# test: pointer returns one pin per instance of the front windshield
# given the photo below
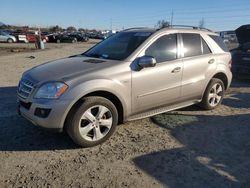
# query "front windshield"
(118, 46)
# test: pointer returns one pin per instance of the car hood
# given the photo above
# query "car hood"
(67, 68)
(243, 34)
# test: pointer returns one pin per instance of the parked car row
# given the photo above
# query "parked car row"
(31, 36)
(67, 37)
(228, 36)
(97, 36)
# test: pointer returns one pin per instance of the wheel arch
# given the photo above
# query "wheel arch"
(219, 75)
(98, 93)
(222, 76)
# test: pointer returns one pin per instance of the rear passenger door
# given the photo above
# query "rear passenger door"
(199, 64)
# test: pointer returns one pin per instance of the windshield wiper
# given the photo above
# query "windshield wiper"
(96, 55)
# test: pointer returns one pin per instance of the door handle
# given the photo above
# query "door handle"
(211, 61)
(177, 69)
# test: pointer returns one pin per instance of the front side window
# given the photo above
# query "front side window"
(164, 48)
(191, 44)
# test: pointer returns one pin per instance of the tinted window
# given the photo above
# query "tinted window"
(192, 44)
(220, 42)
(205, 47)
(118, 46)
(164, 48)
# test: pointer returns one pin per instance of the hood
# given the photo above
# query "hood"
(243, 34)
(67, 68)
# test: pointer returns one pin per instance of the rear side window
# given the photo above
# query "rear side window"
(164, 48)
(191, 44)
(205, 47)
(220, 42)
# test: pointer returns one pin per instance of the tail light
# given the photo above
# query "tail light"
(230, 63)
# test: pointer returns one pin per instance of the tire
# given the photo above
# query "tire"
(74, 40)
(85, 127)
(10, 40)
(213, 95)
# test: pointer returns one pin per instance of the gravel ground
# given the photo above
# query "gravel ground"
(185, 148)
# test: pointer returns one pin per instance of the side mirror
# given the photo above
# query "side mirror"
(146, 61)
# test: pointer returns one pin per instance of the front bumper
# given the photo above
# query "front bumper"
(55, 118)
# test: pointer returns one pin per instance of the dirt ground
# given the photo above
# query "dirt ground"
(185, 148)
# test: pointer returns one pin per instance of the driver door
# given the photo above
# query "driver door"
(160, 85)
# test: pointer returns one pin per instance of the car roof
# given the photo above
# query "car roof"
(170, 29)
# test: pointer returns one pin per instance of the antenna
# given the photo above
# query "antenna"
(172, 18)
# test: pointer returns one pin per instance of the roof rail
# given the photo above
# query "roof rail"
(135, 28)
(187, 26)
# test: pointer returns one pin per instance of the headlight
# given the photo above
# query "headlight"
(51, 90)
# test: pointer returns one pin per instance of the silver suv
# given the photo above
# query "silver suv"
(133, 74)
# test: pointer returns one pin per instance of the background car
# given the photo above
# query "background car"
(241, 55)
(61, 38)
(34, 36)
(79, 36)
(97, 36)
(5, 37)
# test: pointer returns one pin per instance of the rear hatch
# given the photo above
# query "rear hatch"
(243, 35)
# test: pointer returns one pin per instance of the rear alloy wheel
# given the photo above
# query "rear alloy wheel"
(213, 95)
(93, 122)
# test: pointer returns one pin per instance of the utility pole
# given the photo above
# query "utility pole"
(172, 18)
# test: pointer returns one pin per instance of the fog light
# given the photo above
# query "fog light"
(42, 112)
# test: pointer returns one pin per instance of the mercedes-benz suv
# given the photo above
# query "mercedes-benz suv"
(131, 75)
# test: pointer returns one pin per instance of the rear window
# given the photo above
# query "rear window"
(220, 42)
(192, 44)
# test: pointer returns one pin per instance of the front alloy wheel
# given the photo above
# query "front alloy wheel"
(92, 122)
(95, 123)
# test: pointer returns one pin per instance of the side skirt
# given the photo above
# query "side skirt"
(161, 110)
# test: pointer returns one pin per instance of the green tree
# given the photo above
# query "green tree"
(55, 29)
(71, 28)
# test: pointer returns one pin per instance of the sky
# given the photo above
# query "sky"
(118, 14)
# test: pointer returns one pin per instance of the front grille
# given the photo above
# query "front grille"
(25, 88)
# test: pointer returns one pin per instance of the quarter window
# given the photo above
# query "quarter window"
(164, 48)
(220, 42)
(205, 47)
